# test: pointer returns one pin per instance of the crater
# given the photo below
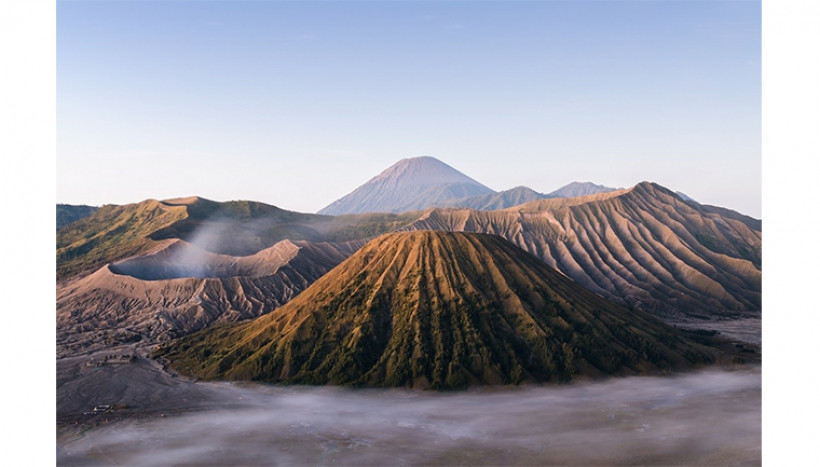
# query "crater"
(183, 260)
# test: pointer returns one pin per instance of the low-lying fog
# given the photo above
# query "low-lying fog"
(711, 417)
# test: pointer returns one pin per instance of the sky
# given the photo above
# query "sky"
(296, 104)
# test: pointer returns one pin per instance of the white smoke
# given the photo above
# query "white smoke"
(195, 262)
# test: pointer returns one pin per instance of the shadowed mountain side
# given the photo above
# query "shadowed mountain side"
(751, 222)
(111, 306)
(68, 213)
(645, 247)
(409, 185)
(684, 196)
(438, 310)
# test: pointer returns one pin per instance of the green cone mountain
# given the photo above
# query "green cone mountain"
(438, 310)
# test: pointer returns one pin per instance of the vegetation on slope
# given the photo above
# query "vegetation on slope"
(68, 213)
(351, 227)
(236, 228)
(111, 233)
(438, 310)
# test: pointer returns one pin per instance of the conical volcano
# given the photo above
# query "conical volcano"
(409, 185)
(438, 310)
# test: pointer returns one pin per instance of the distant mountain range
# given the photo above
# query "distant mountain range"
(576, 189)
(521, 194)
(562, 285)
(644, 247)
(438, 310)
(426, 182)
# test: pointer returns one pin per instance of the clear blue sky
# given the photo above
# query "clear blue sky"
(297, 103)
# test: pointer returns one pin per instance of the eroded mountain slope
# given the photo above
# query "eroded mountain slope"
(180, 288)
(645, 247)
(440, 310)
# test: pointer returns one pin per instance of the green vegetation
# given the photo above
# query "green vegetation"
(443, 311)
(67, 213)
(111, 233)
(236, 227)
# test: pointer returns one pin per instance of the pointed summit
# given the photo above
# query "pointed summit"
(409, 185)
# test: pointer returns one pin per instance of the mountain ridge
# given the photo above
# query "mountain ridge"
(441, 310)
(575, 189)
(177, 288)
(68, 213)
(604, 241)
(642, 246)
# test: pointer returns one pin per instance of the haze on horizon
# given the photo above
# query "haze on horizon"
(297, 104)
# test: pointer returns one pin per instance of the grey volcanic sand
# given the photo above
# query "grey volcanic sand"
(711, 417)
(143, 387)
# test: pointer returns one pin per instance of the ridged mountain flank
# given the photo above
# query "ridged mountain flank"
(409, 185)
(437, 310)
(644, 247)
(181, 288)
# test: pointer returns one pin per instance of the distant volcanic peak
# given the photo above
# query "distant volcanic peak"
(521, 188)
(576, 189)
(644, 188)
(440, 310)
(410, 184)
(551, 203)
(424, 171)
